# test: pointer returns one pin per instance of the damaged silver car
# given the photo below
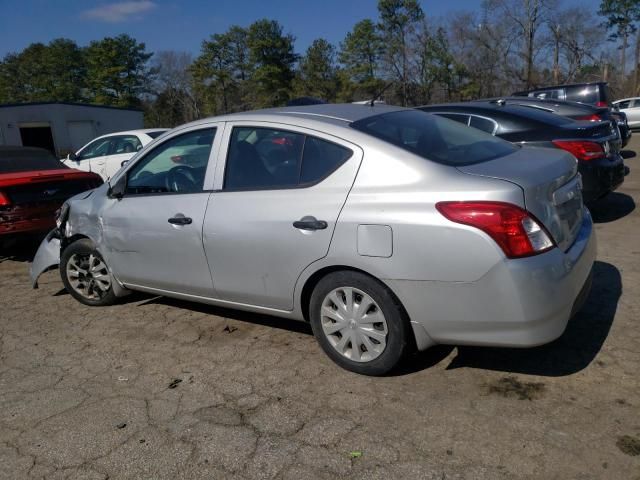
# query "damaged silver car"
(387, 229)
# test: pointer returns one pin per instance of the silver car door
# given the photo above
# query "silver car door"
(262, 230)
(154, 232)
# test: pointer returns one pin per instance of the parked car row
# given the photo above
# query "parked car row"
(388, 229)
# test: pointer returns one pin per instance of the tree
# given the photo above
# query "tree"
(221, 71)
(398, 21)
(173, 101)
(621, 16)
(117, 71)
(53, 72)
(318, 72)
(360, 54)
(272, 60)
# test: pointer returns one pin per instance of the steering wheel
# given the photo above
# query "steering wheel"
(181, 179)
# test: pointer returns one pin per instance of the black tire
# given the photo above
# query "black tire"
(397, 324)
(81, 249)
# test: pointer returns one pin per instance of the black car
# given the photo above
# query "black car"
(595, 144)
(595, 93)
(573, 110)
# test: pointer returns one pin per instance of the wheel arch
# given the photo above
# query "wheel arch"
(420, 339)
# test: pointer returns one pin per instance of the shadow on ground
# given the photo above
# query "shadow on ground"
(241, 316)
(19, 249)
(573, 351)
(613, 207)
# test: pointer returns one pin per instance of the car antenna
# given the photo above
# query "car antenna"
(373, 100)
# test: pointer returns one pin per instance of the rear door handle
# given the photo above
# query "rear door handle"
(180, 220)
(310, 223)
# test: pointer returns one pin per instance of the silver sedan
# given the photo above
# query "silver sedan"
(387, 229)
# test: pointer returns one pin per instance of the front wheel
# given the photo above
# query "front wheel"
(358, 322)
(85, 274)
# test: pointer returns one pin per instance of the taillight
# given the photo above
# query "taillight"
(582, 150)
(602, 104)
(4, 200)
(591, 118)
(514, 229)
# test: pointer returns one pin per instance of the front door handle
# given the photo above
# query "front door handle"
(310, 223)
(180, 220)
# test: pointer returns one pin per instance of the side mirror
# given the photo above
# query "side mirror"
(72, 156)
(117, 189)
(124, 162)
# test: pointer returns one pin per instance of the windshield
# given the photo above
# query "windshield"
(27, 160)
(435, 138)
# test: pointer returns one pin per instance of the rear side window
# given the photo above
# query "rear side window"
(437, 139)
(267, 159)
(483, 124)
(456, 117)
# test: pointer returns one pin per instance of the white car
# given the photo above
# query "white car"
(106, 154)
(631, 108)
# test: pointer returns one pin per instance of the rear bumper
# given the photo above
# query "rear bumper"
(518, 303)
(600, 177)
(18, 219)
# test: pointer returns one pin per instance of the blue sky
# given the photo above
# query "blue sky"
(182, 25)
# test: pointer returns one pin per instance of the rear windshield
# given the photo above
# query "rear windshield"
(18, 160)
(435, 138)
(156, 133)
(591, 94)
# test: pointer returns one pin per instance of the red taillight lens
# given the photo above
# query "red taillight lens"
(602, 104)
(582, 150)
(514, 229)
(591, 118)
(4, 200)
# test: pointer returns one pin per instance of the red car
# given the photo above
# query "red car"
(33, 185)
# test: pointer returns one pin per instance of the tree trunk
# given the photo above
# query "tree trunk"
(636, 76)
(623, 61)
(556, 62)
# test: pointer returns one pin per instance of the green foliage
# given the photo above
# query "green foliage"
(318, 72)
(272, 60)
(621, 16)
(117, 71)
(43, 72)
(360, 54)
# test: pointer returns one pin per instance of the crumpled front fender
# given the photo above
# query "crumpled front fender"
(47, 257)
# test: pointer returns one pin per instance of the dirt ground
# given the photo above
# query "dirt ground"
(157, 388)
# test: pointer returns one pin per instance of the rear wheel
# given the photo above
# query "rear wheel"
(358, 323)
(85, 274)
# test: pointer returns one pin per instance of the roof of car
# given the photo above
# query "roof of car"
(624, 99)
(553, 87)
(18, 148)
(497, 110)
(327, 113)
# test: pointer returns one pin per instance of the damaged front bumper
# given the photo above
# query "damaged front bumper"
(47, 257)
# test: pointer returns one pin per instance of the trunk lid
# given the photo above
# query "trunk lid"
(551, 187)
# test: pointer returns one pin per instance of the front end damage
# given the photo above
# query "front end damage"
(47, 257)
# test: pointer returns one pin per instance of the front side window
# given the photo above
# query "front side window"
(125, 144)
(97, 148)
(264, 158)
(439, 139)
(177, 165)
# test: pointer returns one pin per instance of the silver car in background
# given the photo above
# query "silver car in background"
(388, 229)
(631, 108)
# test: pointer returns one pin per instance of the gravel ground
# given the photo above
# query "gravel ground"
(158, 388)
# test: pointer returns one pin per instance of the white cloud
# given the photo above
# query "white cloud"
(120, 12)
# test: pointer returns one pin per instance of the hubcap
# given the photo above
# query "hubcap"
(88, 275)
(354, 324)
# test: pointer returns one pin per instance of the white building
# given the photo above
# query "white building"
(62, 127)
